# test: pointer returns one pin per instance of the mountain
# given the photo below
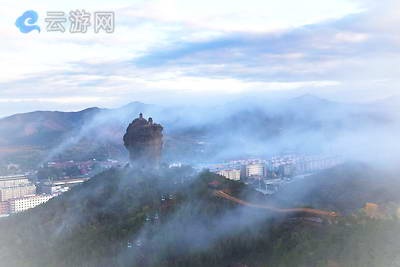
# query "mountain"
(30, 137)
(42, 128)
(174, 218)
(192, 133)
(45, 128)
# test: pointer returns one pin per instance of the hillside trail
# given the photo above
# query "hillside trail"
(224, 195)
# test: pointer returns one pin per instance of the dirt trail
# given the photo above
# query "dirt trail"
(266, 207)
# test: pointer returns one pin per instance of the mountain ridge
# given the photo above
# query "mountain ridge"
(187, 127)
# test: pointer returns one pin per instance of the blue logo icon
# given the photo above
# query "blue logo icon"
(26, 22)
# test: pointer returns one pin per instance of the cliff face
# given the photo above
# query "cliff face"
(144, 140)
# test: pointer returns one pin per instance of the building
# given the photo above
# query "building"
(14, 180)
(230, 174)
(7, 193)
(29, 202)
(60, 186)
(53, 189)
(4, 208)
(256, 170)
(287, 170)
(372, 210)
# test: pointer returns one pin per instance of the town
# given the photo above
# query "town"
(268, 175)
(20, 192)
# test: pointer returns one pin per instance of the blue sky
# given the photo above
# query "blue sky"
(186, 51)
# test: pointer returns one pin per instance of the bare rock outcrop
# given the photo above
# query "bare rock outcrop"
(144, 140)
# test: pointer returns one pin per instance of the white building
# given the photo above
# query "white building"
(7, 193)
(256, 170)
(230, 174)
(13, 180)
(54, 189)
(29, 202)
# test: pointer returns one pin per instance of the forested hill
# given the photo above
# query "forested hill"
(345, 188)
(93, 224)
(127, 218)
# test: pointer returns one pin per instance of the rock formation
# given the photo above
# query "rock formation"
(144, 140)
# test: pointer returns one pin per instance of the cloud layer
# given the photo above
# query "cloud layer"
(189, 50)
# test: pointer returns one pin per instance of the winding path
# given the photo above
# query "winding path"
(224, 195)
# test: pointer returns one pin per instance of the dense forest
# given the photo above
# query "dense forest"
(173, 218)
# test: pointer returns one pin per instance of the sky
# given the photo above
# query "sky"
(193, 52)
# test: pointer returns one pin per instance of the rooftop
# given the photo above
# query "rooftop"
(13, 177)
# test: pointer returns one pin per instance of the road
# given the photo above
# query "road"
(224, 195)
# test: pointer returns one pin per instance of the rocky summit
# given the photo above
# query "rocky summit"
(144, 140)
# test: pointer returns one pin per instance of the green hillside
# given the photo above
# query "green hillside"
(173, 218)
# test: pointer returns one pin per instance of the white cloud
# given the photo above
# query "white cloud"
(249, 16)
(351, 37)
(51, 67)
(60, 100)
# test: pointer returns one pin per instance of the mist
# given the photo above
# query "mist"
(364, 134)
(303, 125)
(308, 88)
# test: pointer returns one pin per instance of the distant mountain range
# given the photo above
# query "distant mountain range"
(247, 124)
